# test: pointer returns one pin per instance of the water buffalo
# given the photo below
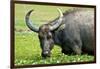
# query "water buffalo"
(73, 31)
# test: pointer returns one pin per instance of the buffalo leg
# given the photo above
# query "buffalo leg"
(77, 50)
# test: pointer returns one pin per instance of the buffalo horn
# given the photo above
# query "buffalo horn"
(58, 22)
(29, 23)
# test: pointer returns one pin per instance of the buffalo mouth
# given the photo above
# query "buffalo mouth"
(45, 55)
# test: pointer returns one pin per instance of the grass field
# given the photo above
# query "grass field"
(27, 48)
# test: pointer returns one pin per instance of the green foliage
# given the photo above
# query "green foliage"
(27, 48)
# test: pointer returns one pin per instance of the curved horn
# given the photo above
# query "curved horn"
(58, 22)
(29, 23)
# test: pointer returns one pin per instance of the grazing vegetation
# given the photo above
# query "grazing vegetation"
(27, 48)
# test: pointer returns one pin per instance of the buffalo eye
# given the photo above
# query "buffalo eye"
(49, 36)
(41, 36)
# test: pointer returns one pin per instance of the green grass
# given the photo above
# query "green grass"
(28, 52)
(27, 48)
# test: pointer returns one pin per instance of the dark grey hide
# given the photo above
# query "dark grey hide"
(73, 31)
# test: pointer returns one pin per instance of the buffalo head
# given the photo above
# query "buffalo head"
(45, 32)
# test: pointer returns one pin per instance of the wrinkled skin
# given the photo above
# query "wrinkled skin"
(78, 33)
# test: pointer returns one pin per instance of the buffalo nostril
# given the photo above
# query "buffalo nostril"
(46, 53)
